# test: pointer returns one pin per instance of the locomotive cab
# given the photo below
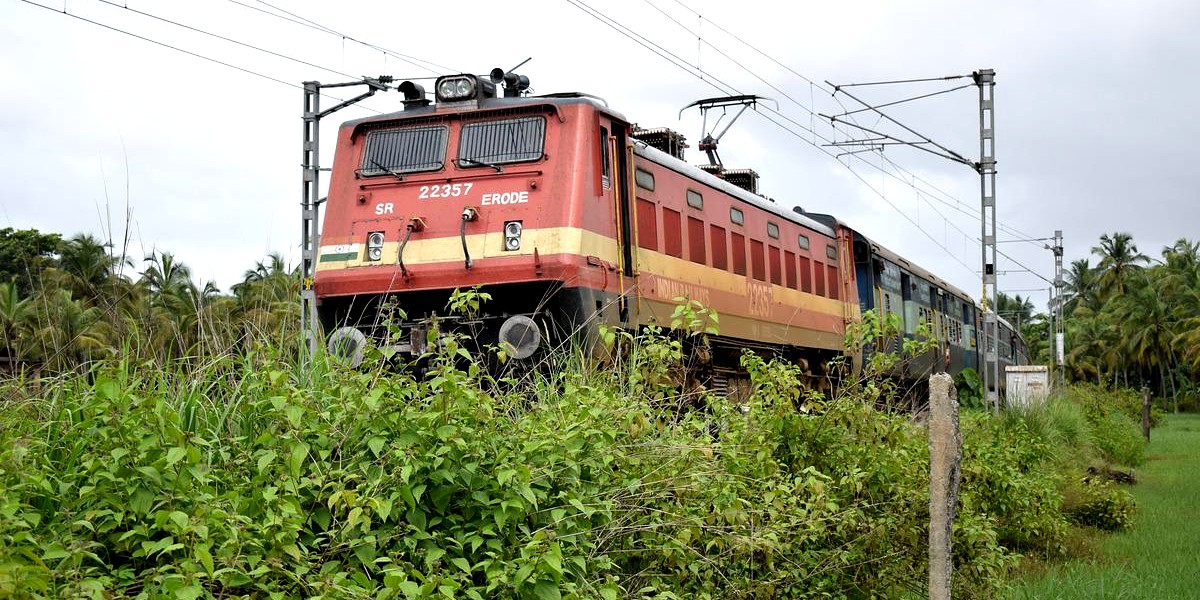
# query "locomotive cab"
(473, 190)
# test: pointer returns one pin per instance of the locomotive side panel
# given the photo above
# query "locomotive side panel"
(771, 280)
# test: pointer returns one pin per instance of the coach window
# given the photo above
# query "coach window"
(720, 255)
(803, 241)
(644, 178)
(772, 230)
(605, 160)
(695, 200)
(736, 216)
(739, 253)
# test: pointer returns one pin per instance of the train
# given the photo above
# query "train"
(572, 218)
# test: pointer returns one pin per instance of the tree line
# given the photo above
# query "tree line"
(1130, 319)
(67, 302)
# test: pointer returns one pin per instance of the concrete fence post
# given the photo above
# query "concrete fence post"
(1146, 412)
(945, 462)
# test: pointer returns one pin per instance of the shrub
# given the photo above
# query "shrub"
(1100, 504)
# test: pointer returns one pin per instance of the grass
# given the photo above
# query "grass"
(1157, 558)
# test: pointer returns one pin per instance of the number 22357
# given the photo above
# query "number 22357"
(446, 190)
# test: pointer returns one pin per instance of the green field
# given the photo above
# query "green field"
(1159, 558)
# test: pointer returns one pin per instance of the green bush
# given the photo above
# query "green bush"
(263, 476)
(1100, 504)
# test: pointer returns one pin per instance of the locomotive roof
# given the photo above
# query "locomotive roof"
(563, 99)
(753, 199)
(915, 269)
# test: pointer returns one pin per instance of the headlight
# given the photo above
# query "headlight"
(512, 235)
(457, 87)
(375, 245)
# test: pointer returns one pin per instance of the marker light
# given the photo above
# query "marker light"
(375, 245)
(512, 235)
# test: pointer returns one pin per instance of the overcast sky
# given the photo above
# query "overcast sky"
(1095, 111)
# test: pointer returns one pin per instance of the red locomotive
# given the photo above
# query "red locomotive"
(571, 217)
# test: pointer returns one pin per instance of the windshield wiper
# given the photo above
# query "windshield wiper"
(463, 162)
(387, 170)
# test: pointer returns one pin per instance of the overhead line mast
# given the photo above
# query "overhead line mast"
(310, 205)
(985, 80)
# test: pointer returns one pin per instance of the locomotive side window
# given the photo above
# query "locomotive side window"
(647, 225)
(736, 216)
(758, 266)
(605, 160)
(644, 179)
(802, 240)
(720, 256)
(831, 252)
(404, 150)
(485, 143)
(672, 233)
(773, 265)
(789, 268)
(696, 241)
(695, 200)
(772, 230)
(739, 254)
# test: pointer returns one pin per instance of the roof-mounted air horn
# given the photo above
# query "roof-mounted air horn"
(514, 85)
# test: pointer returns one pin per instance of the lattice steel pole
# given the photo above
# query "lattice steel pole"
(310, 205)
(1059, 329)
(310, 162)
(985, 79)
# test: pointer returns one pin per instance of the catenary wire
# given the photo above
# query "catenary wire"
(432, 67)
(922, 195)
(974, 211)
(184, 51)
(674, 59)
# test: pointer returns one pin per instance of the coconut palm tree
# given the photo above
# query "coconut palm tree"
(1119, 257)
(1082, 287)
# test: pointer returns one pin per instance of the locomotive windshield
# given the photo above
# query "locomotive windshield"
(404, 150)
(488, 143)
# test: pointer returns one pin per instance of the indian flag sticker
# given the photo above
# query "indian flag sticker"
(341, 252)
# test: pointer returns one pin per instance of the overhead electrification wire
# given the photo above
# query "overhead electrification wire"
(975, 211)
(226, 39)
(922, 195)
(432, 67)
(728, 89)
(188, 52)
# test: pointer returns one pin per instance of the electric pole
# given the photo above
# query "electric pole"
(310, 205)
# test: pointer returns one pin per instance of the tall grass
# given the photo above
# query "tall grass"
(255, 473)
(1157, 559)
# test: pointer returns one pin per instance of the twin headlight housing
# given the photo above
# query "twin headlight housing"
(375, 246)
(461, 88)
(512, 235)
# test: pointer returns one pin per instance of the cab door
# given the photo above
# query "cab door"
(621, 156)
